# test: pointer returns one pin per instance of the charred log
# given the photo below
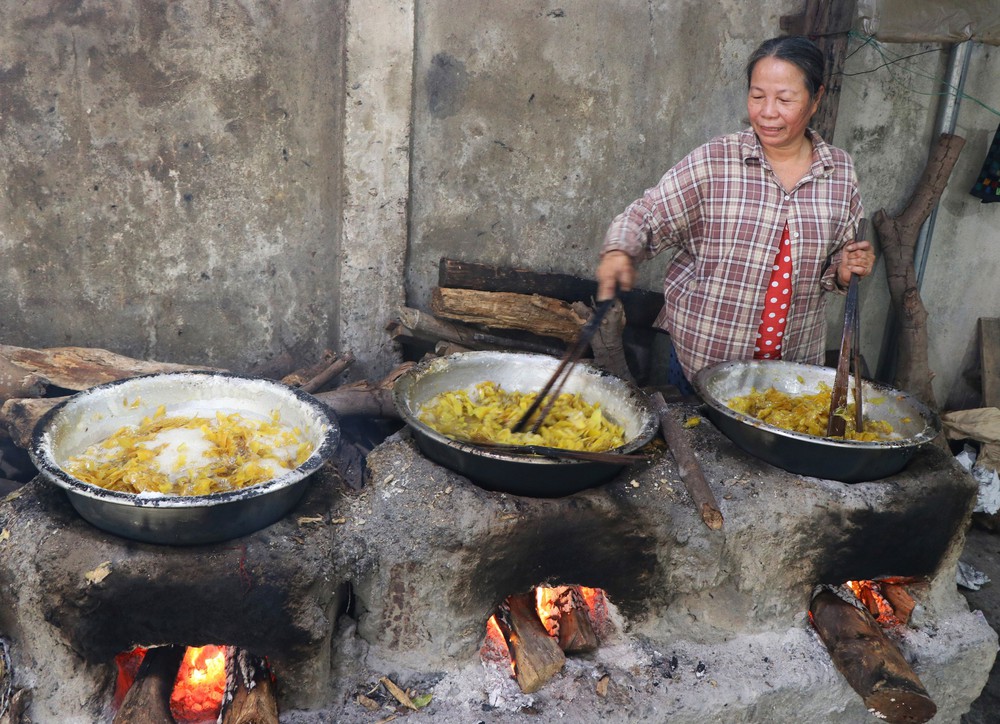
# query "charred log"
(250, 696)
(576, 633)
(870, 661)
(80, 368)
(536, 655)
(421, 325)
(148, 699)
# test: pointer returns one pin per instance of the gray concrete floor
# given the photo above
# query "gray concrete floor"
(982, 551)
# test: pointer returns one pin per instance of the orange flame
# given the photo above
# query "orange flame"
(200, 684)
(870, 595)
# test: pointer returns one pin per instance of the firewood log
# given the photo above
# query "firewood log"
(15, 381)
(536, 655)
(901, 601)
(641, 306)
(544, 316)
(19, 417)
(79, 368)
(576, 634)
(148, 699)
(314, 377)
(250, 696)
(870, 661)
(422, 325)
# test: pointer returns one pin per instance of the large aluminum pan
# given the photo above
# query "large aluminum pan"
(538, 477)
(849, 461)
(94, 414)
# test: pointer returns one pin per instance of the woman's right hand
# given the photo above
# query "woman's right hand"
(616, 272)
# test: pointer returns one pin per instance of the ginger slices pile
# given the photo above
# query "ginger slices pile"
(806, 413)
(191, 454)
(487, 413)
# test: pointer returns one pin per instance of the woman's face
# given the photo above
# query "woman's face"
(779, 104)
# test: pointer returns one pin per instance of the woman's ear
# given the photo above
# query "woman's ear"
(819, 96)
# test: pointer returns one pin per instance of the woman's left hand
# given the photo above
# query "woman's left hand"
(857, 258)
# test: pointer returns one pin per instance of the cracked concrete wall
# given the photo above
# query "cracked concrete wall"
(170, 177)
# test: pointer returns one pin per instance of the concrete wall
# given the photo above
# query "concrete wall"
(246, 182)
(169, 177)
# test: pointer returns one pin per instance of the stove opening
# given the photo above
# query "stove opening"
(193, 684)
(862, 623)
(532, 633)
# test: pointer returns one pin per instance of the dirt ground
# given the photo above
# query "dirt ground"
(982, 552)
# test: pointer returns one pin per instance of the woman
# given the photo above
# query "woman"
(762, 222)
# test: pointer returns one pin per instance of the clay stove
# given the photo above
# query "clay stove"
(400, 579)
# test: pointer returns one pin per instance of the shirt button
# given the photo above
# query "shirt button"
(787, 198)
(795, 235)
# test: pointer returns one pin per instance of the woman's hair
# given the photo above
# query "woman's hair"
(797, 50)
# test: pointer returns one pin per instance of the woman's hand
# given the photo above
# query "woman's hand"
(857, 258)
(615, 272)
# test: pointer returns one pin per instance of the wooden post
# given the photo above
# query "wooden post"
(826, 22)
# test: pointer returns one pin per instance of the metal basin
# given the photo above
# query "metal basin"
(848, 461)
(531, 476)
(91, 416)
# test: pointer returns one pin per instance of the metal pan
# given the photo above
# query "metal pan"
(91, 416)
(849, 461)
(537, 477)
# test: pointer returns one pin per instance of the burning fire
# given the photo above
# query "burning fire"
(870, 594)
(198, 688)
(200, 684)
(551, 603)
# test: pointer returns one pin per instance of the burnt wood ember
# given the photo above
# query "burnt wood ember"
(870, 661)
(148, 699)
(576, 634)
(901, 601)
(536, 655)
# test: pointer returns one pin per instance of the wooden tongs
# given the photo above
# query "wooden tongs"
(850, 353)
(551, 389)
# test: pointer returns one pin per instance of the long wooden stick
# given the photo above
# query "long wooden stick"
(687, 464)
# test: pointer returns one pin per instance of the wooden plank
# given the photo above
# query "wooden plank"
(641, 306)
(827, 23)
(989, 356)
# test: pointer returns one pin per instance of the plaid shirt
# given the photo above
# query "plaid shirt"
(723, 210)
